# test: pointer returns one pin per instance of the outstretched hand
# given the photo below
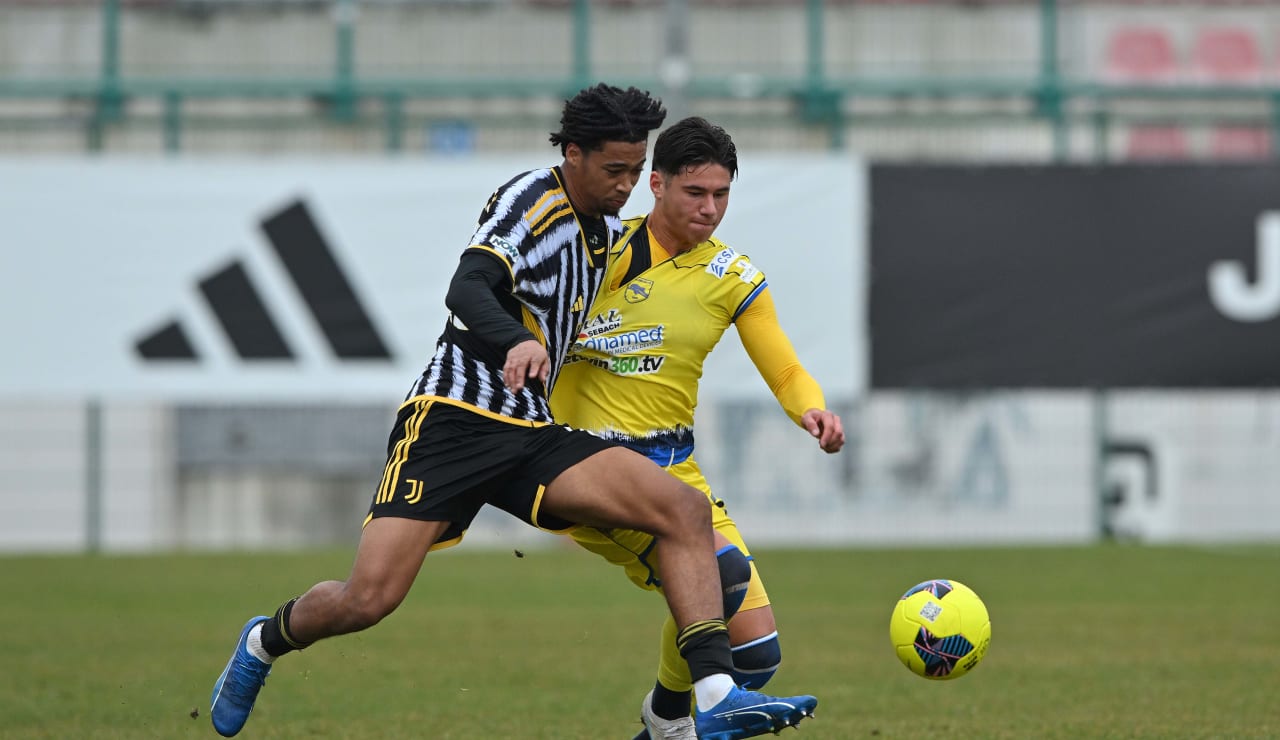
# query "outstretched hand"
(826, 426)
(527, 359)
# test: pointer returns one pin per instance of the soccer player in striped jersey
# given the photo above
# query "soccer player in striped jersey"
(633, 374)
(477, 420)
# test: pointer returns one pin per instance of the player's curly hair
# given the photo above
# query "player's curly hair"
(691, 142)
(606, 113)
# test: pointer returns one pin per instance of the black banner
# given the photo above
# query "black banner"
(1073, 276)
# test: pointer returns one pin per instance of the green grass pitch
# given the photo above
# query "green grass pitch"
(1088, 642)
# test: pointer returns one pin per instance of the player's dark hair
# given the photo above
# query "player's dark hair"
(606, 113)
(691, 142)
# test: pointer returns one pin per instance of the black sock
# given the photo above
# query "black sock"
(705, 647)
(669, 704)
(275, 632)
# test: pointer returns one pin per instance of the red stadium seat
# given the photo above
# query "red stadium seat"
(1228, 55)
(1240, 142)
(1155, 143)
(1141, 54)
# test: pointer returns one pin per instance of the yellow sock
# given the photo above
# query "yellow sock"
(673, 671)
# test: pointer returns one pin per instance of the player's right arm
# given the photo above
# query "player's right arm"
(473, 299)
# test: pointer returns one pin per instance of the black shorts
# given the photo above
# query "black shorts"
(445, 462)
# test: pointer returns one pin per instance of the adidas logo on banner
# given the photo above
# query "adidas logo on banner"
(243, 316)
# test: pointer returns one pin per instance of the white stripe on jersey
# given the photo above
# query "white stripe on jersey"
(502, 210)
(484, 399)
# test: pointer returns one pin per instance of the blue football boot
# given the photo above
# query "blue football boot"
(746, 713)
(238, 686)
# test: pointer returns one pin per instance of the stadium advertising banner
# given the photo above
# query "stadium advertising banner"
(1074, 277)
(313, 279)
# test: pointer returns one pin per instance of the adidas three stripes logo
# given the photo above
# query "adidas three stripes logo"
(243, 316)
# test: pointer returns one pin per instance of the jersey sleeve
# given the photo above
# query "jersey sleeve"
(775, 358)
(473, 301)
(503, 228)
(501, 237)
(738, 282)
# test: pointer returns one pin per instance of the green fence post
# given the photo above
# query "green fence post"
(344, 73)
(109, 100)
(581, 45)
(818, 104)
(1050, 94)
(172, 122)
(676, 71)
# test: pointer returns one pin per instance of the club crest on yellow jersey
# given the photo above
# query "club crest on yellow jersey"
(638, 290)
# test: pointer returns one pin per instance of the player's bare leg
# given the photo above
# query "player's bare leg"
(387, 561)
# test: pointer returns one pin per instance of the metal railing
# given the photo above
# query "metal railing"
(1075, 108)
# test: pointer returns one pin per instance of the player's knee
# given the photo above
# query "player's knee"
(755, 662)
(693, 506)
(363, 609)
(735, 577)
(686, 510)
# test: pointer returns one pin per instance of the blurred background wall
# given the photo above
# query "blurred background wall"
(1028, 247)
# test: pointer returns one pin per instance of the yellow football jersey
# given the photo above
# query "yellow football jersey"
(633, 373)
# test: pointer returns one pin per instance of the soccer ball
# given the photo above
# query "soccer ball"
(940, 629)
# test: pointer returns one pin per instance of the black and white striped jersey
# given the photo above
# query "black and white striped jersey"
(557, 261)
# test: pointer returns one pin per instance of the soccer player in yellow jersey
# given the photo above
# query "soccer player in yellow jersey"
(632, 377)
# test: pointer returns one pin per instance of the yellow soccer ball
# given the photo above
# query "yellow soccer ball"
(940, 629)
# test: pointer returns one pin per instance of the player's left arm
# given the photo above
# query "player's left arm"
(775, 359)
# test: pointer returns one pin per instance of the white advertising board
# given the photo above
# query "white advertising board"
(103, 257)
